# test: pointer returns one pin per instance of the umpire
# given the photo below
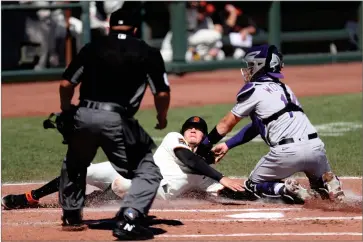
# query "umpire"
(115, 72)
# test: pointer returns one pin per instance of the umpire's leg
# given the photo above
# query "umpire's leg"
(136, 164)
(144, 186)
(82, 149)
(145, 174)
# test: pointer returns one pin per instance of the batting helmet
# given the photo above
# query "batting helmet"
(196, 122)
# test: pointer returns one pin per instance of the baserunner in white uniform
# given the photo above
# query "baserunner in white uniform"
(279, 119)
(182, 170)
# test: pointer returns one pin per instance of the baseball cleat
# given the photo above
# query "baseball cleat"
(294, 188)
(333, 187)
(131, 231)
(19, 201)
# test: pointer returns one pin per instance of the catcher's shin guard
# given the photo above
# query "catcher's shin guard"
(333, 187)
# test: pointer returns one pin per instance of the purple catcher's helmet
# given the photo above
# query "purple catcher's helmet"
(262, 60)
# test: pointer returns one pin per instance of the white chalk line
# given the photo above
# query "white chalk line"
(260, 234)
(234, 177)
(273, 219)
(98, 210)
(42, 223)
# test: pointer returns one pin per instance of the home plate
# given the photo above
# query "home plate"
(257, 215)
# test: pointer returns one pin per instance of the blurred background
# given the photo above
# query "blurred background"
(39, 38)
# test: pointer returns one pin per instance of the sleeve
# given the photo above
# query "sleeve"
(74, 71)
(247, 99)
(243, 136)
(155, 67)
(197, 164)
(174, 140)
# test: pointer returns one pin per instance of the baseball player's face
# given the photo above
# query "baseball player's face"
(193, 136)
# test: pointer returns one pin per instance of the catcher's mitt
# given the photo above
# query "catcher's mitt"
(63, 122)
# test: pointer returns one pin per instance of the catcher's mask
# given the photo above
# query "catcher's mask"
(197, 122)
(262, 60)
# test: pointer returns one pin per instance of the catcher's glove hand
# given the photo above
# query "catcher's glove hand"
(64, 123)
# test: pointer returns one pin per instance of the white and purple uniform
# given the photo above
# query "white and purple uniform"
(294, 144)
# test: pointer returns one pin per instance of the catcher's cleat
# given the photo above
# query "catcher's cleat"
(333, 187)
(19, 201)
(297, 192)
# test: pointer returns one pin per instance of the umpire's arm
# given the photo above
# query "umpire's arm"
(72, 77)
(159, 85)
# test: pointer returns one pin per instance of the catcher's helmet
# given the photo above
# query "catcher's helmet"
(195, 121)
(262, 60)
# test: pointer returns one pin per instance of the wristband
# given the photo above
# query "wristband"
(214, 137)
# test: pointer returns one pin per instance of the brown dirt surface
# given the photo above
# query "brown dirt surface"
(194, 89)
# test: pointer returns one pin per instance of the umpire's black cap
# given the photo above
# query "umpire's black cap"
(125, 18)
(197, 122)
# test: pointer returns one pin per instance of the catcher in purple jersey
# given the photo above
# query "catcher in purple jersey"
(278, 117)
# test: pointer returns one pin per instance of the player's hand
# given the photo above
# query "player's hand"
(231, 184)
(162, 123)
(220, 150)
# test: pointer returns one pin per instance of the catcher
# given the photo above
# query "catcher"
(182, 170)
(279, 118)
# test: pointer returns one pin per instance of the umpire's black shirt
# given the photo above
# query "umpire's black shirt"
(117, 68)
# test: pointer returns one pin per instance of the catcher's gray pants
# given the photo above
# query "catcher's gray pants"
(97, 128)
(285, 160)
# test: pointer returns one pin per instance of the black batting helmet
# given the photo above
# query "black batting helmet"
(197, 122)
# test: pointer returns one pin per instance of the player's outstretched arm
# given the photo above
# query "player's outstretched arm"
(197, 164)
(246, 134)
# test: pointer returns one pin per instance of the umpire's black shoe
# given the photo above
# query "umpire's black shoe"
(72, 221)
(125, 230)
(129, 227)
(19, 201)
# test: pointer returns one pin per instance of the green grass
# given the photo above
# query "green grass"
(30, 153)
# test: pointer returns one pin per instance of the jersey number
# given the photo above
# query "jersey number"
(293, 100)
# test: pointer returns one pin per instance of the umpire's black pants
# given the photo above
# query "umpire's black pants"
(125, 144)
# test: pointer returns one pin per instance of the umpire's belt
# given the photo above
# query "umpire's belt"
(111, 107)
(291, 140)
